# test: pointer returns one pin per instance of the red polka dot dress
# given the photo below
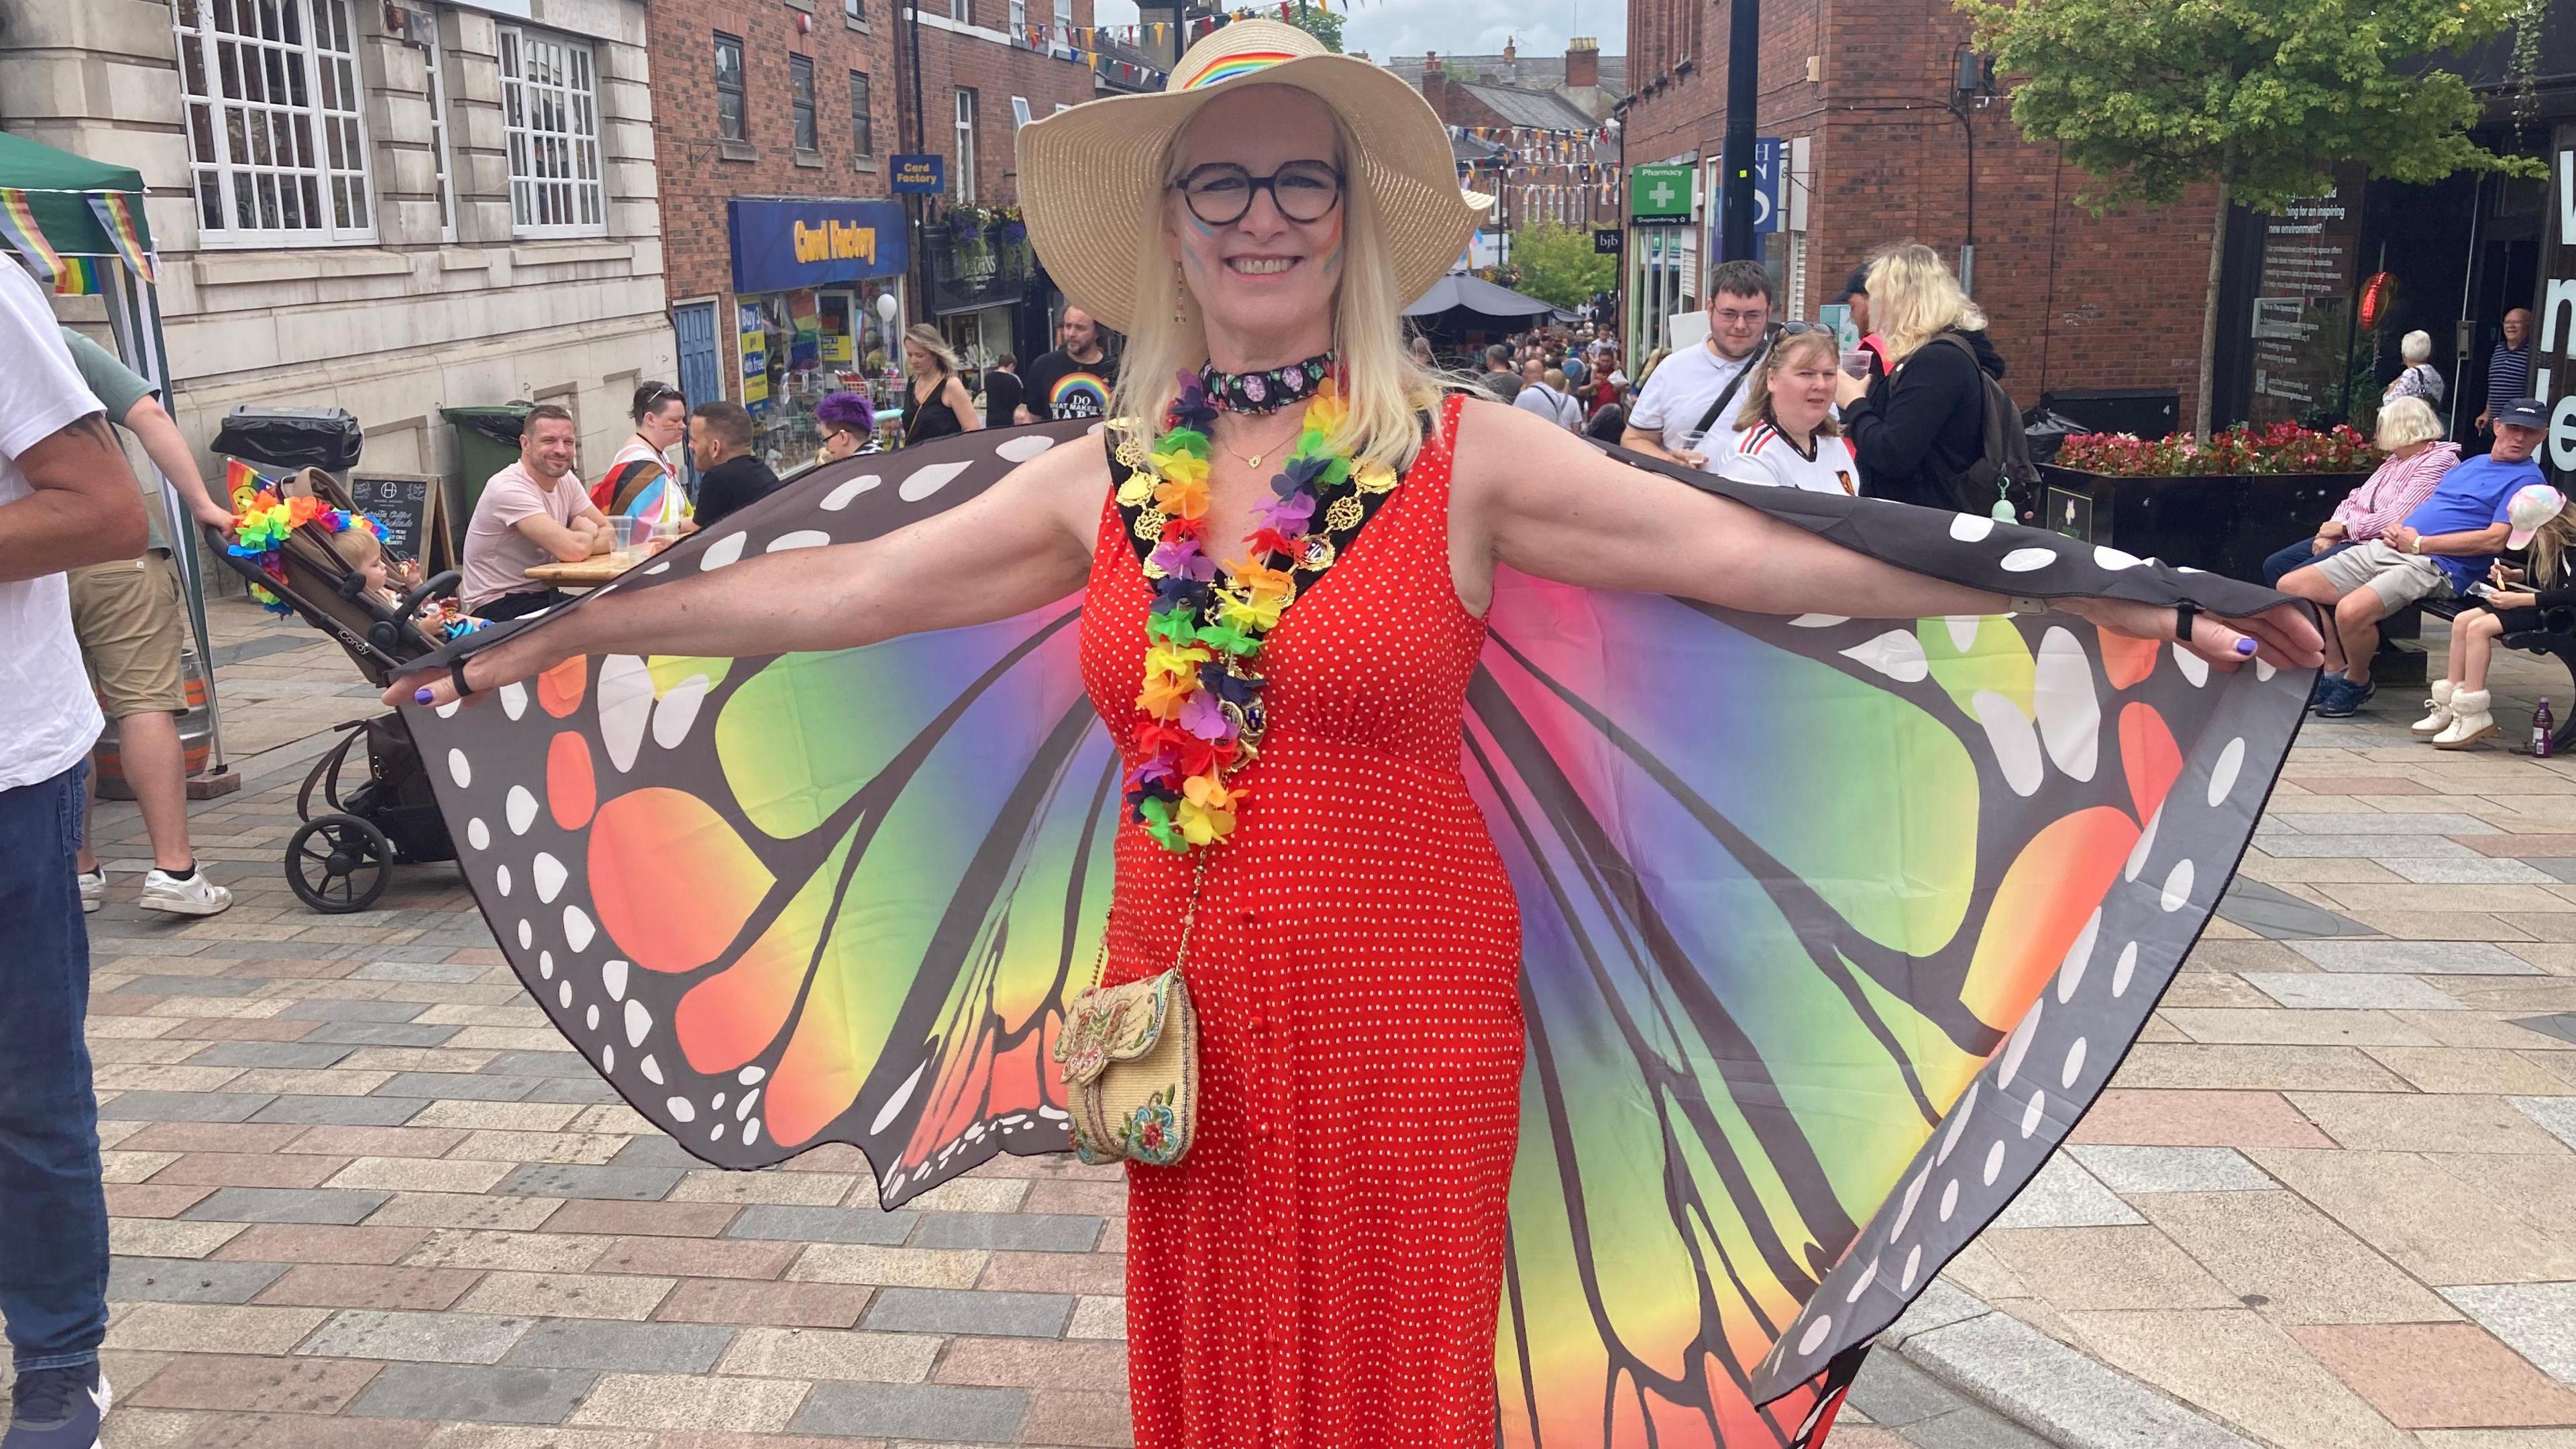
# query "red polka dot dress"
(1322, 1269)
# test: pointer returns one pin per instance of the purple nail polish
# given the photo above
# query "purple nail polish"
(422, 696)
(2245, 646)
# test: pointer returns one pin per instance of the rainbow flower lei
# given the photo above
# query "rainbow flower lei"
(262, 521)
(1201, 699)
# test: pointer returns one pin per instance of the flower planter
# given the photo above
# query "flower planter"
(2221, 523)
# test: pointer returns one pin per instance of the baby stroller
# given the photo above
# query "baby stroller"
(342, 859)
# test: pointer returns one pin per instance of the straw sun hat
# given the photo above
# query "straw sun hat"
(1091, 178)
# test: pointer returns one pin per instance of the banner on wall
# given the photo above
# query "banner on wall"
(2553, 369)
(751, 335)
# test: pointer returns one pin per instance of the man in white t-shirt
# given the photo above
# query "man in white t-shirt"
(1538, 396)
(67, 498)
(1667, 420)
(532, 512)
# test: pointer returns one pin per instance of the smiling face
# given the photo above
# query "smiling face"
(1263, 281)
(2517, 326)
(547, 446)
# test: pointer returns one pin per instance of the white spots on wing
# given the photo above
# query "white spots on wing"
(681, 1109)
(1022, 448)
(926, 481)
(742, 1112)
(2014, 741)
(608, 1057)
(842, 494)
(1958, 1123)
(1963, 630)
(2017, 1045)
(520, 809)
(723, 551)
(2122, 969)
(2222, 776)
(550, 875)
(2112, 558)
(1818, 621)
(651, 1069)
(458, 769)
(895, 1104)
(625, 702)
(1913, 1265)
(749, 1075)
(2264, 670)
(801, 538)
(590, 1018)
(750, 1132)
(1860, 1284)
(2074, 1065)
(1896, 654)
(1949, 1199)
(718, 1134)
(2145, 847)
(663, 567)
(612, 978)
(716, 1104)
(1816, 1333)
(2193, 667)
(1905, 1209)
(449, 709)
(2070, 972)
(527, 935)
(2034, 1113)
(546, 965)
(639, 1023)
(514, 699)
(563, 993)
(678, 710)
(478, 834)
(501, 879)
(578, 928)
(2070, 713)
(2029, 560)
(1970, 527)
(2177, 886)
(1994, 1163)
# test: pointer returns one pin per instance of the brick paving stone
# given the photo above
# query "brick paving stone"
(661, 1348)
(653, 1401)
(164, 1238)
(569, 1295)
(340, 1111)
(2557, 1115)
(2243, 1368)
(351, 1285)
(380, 1033)
(783, 1189)
(181, 1106)
(473, 1392)
(2328, 991)
(457, 1086)
(292, 1431)
(2423, 1123)
(236, 1169)
(815, 1353)
(361, 1141)
(252, 1384)
(286, 1205)
(1056, 1272)
(243, 1137)
(421, 1174)
(2440, 1375)
(185, 1327)
(185, 1280)
(2296, 1265)
(143, 1200)
(892, 1267)
(2107, 1268)
(2130, 1170)
(456, 1210)
(1033, 1363)
(935, 1411)
(785, 1305)
(979, 1311)
(633, 1184)
(2195, 1118)
(269, 1054)
(322, 1243)
(2426, 958)
(697, 1257)
(463, 1338)
(1024, 1232)
(2064, 1195)
(642, 1219)
(510, 1251)
(1071, 1417)
(585, 1149)
(823, 1225)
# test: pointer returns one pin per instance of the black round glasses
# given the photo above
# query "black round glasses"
(1220, 193)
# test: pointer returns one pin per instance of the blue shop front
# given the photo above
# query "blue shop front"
(806, 314)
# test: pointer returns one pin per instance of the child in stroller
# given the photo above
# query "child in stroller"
(306, 551)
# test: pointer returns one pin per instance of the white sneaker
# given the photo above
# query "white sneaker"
(2470, 721)
(2437, 717)
(93, 887)
(195, 896)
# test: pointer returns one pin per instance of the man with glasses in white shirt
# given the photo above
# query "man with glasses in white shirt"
(1694, 391)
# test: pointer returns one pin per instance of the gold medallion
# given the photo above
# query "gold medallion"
(1319, 552)
(1149, 525)
(1345, 514)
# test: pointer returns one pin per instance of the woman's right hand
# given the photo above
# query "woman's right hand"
(530, 652)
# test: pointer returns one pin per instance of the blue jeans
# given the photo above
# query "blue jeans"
(2296, 556)
(53, 1211)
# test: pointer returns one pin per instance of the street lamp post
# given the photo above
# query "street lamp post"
(1743, 86)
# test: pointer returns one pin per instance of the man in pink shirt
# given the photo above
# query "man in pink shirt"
(2410, 433)
(532, 512)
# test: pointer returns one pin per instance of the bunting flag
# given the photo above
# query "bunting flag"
(239, 475)
(115, 213)
(80, 277)
(18, 224)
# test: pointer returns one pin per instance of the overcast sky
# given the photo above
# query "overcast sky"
(1467, 27)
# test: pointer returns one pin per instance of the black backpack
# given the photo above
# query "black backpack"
(2003, 471)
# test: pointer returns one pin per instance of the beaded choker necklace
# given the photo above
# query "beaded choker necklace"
(1267, 391)
(1201, 701)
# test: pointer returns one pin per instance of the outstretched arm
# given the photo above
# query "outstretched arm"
(1022, 543)
(1541, 500)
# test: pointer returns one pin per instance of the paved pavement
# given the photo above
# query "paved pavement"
(364, 1195)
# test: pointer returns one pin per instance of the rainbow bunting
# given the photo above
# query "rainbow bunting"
(79, 277)
(238, 476)
(115, 213)
(18, 225)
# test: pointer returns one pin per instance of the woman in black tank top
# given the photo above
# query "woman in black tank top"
(935, 401)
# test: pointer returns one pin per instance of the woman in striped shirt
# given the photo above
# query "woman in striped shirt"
(2410, 433)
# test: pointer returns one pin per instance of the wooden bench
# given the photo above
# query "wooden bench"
(2558, 644)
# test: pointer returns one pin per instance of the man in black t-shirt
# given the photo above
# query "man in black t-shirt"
(1002, 392)
(1074, 380)
(730, 476)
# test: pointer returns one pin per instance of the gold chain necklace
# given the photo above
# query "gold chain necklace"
(1254, 460)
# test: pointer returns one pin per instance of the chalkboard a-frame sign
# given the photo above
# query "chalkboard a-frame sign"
(409, 507)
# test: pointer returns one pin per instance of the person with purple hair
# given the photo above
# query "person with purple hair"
(849, 424)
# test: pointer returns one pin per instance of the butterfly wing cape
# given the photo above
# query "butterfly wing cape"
(1832, 927)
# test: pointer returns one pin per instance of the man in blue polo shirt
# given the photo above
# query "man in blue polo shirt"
(2445, 545)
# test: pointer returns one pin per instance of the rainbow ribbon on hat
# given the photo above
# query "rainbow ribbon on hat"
(1233, 67)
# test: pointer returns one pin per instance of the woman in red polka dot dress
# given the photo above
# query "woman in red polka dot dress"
(1322, 1269)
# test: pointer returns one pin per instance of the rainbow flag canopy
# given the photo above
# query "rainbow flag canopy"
(70, 219)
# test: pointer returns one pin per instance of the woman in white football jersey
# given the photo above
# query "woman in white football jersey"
(1785, 434)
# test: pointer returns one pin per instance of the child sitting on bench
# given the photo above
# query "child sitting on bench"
(2514, 601)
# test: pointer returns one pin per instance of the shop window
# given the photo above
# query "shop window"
(856, 11)
(965, 178)
(729, 90)
(550, 117)
(863, 138)
(439, 153)
(1064, 25)
(277, 144)
(800, 101)
(1019, 22)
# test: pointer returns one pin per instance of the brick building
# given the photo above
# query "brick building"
(775, 128)
(1860, 92)
(1538, 133)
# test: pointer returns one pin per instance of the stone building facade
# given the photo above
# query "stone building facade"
(387, 207)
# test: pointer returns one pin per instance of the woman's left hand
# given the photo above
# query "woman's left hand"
(2282, 636)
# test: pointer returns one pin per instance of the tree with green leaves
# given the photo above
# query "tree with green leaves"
(2261, 97)
(1325, 25)
(1557, 265)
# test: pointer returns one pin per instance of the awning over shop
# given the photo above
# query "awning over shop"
(1462, 301)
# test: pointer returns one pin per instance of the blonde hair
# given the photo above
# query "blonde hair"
(2406, 420)
(927, 338)
(1383, 388)
(1913, 297)
(1757, 388)
(2549, 547)
(2416, 348)
(357, 545)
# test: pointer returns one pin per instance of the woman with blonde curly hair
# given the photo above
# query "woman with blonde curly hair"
(1917, 429)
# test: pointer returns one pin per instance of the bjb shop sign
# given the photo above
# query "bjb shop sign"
(786, 245)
